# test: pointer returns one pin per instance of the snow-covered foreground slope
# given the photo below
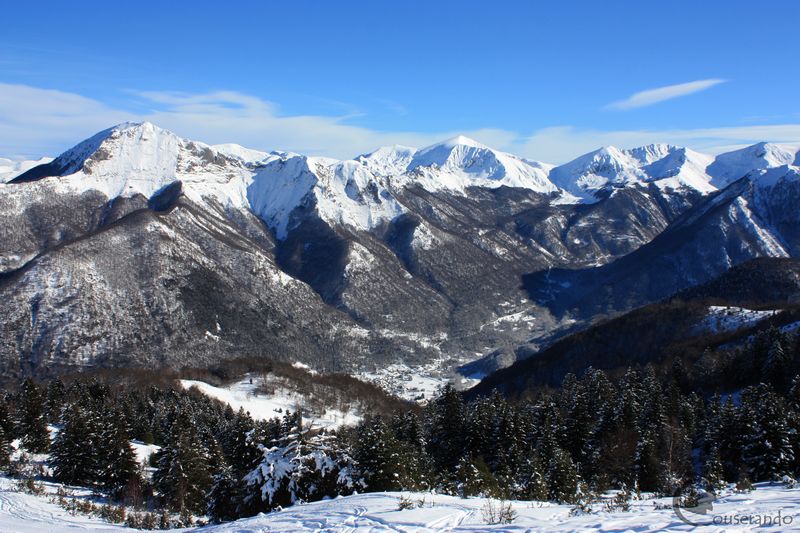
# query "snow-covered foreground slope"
(379, 512)
(25, 513)
(245, 394)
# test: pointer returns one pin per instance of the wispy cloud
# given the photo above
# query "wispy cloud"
(36, 122)
(660, 94)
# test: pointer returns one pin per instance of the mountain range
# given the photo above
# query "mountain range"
(140, 248)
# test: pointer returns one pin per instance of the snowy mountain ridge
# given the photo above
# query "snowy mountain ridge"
(141, 158)
(666, 166)
(10, 169)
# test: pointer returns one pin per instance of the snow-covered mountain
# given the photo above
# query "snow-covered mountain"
(402, 255)
(461, 162)
(594, 175)
(754, 216)
(731, 166)
(10, 169)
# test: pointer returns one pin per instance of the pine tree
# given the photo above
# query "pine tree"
(118, 469)
(473, 478)
(619, 434)
(580, 420)
(793, 420)
(713, 472)
(300, 467)
(56, 396)
(31, 422)
(225, 496)
(447, 417)
(729, 433)
(384, 463)
(6, 435)
(767, 448)
(73, 455)
(535, 486)
(562, 477)
(240, 444)
(778, 362)
(183, 477)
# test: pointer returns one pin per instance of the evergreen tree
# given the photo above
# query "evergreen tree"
(650, 427)
(119, 469)
(473, 478)
(778, 362)
(793, 420)
(447, 417)
(6, 435)
(183, 477)
(535, 486)
(562, 477)
(713, 472)
(385, 463)
(729, 433)
(239, 443)
(299, 467)
(767, 448)
(74, 453)
(56, 396)
(225, 496)
(31, 421)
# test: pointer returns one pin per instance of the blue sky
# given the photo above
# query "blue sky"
(547, 80)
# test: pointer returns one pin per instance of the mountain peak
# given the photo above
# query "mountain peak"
(461, 162)
(388, 160)
(463, 140)
(667, 166)
(731, 166)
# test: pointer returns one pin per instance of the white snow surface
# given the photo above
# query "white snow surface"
(10, 169)
(666, 166)
(730, 318)
(379, 512)
(247, 155)
(461, 162)
(388, 160)
(731, 166)
(372, 512)
(26, 513)
(244, 394)
(141, 158)
(342, 192)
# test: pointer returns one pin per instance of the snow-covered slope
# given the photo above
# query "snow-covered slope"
(591, 176)
(388, 160)
(435, 512)
(461, 162)
(341, 193)
(249, 394)
(10, 169)
(141, 158)
(379, 511)
(731, 318)
(731, 166)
